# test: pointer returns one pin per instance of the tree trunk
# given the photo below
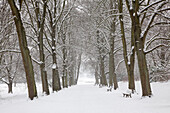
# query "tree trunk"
(96, 75)
(40, 27)
(112, 75)
(102, 72)
(72, 69)
(65, 85)
(144, 74)
(10, 87)
(56, 85)
(103, 80)
(132, 62)
(128, 63)
(142, 63)
(78, 67)
(24, 51)
(143, 69)
(71, 79)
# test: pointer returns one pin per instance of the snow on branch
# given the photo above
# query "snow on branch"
(164, 16)
(65, 16)
(8, 50)
(164, 9)
(144, 33)
(128, 5)
(54, 66)
(105, 36)
(3, 80)
(151, 79)
(117, 66)
(154, 3)
(160, 23)
(109, 11)
(117, 49)
(7, 25)
(161, 45)
(140, 2)
(106, 18)
(60, 15)
(36, 61)
(150, 41)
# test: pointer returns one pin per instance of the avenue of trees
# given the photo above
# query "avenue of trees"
(47, 41)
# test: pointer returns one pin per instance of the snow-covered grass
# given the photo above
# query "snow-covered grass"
(86, 98)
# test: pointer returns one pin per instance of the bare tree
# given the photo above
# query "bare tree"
(24, 49)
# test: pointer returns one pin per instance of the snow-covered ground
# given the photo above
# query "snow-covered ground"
(86, 98)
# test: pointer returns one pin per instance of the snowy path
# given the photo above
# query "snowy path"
(90, 99)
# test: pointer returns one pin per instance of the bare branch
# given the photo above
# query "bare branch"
(151, 20)
(146, 8)
(161, 45)
(2, 79)
(37, 62)
(159, 23)
(150, 41)
(8, 50)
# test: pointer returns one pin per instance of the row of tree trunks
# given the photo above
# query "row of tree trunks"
(32, 91)
(40, 19)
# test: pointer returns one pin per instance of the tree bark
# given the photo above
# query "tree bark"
(143, 70)
(78, 67)
(10, 87)
(128, 63)
(72, 68)
(139, 46)
(103, 80)
(102, 72)
(24, 50)
(56, 85)
(64, 50)
(96, 75)
(132, 61)
(40, 27)
(112, 74)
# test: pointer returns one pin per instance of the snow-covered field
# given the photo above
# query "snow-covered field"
(86, 98)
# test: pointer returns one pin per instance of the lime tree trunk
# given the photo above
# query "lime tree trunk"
(32, 91)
